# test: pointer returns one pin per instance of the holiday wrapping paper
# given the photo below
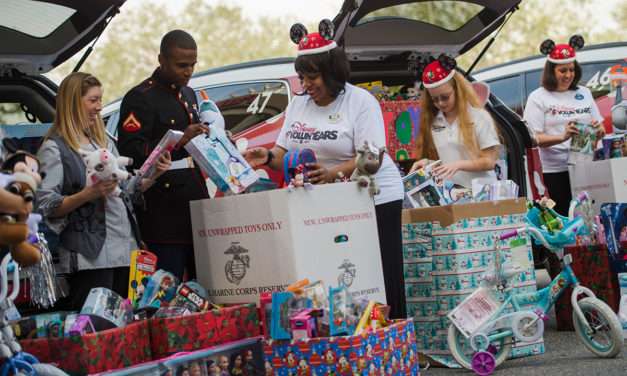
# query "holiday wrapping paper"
(402, 123)
(591, 265)
(201, 330)
(386, 351)
(95, 352)
(446, 251)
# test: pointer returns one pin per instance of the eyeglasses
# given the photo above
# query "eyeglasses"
(442, 98)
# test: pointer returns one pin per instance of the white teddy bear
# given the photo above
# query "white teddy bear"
(102, 165)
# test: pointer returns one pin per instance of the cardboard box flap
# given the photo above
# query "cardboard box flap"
(449, 214)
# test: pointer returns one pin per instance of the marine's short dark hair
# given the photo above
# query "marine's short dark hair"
(177, 38)
(332, 65)
(549, 81)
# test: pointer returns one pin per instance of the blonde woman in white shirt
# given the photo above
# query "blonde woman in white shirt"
(552, 112)
(455, 129)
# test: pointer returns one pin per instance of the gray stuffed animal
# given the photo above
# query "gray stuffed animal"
(367, 163)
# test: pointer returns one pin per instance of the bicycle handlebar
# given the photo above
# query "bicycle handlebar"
(511, 233)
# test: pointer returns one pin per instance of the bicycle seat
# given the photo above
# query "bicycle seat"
(556, 239)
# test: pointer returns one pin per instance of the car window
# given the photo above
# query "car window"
(449, 15)
(15, 113)
(247, 104)
(509, 90)
(111, 123)
(596, 76)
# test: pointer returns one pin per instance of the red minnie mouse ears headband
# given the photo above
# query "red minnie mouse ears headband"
(314, 43)
(436, 72)
(562, 53)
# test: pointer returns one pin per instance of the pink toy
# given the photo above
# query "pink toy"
(102, 165)
(303, 324)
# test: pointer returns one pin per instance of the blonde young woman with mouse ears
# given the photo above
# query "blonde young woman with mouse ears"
(454, 127)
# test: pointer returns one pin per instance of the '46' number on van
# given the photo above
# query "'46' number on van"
(254, 107)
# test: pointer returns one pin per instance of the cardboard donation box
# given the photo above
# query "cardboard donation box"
(261, 242)
(446, 250)
(605, 180)
(386, 351)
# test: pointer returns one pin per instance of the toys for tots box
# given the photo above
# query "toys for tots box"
(261, 242)
(605, 180)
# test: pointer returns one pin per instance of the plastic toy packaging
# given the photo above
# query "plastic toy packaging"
(108, 305)
(167, 143)
(160, 290)
(143, 265)
(614, 219)
(284, 306)
(165, 312)
(295, 167)
(613, 146)
(455, 194)
(192, 296)
(317, 294)
(221, 161)
(582, 145)
(77, 325)
(342, 314)
(474, 311)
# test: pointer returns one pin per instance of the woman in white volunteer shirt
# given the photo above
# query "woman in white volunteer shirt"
(552, 111)
(334, 118)
(456, 129)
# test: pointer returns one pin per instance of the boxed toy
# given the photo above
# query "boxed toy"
(167, 143)
(261, 242)
(221, 161)
(446, 251)
(386, 351)
(614, 220)
(402, 124)
(143, 265)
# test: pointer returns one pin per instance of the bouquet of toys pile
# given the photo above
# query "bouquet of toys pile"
(423, 189)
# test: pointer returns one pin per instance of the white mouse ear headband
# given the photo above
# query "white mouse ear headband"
(562, 53)
(314, 43)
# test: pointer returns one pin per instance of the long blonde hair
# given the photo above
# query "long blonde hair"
(70, 118)
(464, 95)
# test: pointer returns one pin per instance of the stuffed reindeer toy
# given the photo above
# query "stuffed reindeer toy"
(367, 163)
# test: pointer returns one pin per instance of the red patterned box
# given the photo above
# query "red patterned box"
(96, 352)
(591, 265)
(402, 123)
(201, 330)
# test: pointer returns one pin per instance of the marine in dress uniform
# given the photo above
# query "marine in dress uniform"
(147, 112)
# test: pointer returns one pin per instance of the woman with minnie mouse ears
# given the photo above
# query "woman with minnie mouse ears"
(334, 119)
(552, 112)
(456, 129)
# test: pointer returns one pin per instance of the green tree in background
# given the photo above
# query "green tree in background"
(128, 51)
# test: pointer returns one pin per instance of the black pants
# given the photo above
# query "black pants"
(175, 258)
(558, 185)
(391, 245)
(81, 282)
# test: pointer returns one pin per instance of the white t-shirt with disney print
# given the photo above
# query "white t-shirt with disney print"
(335, 131)
(549, 112)
(450, 148)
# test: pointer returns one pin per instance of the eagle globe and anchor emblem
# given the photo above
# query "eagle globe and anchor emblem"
(235, 268)
(347, 277)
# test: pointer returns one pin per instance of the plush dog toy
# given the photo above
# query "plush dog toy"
(102, 165)
(367, 163)
(22, 235)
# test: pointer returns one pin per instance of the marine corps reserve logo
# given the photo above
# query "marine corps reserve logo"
(235, 268)
(347, 277)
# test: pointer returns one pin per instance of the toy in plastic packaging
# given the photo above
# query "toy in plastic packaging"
(426, 195)
(78, 325)
(582, 145)
(106, 304)
(221, 161)
(613, 146)
(455, 194)
(303, 324)
(192, 296)
(295, 167)
(614, 220)
(285, 305)
(160, 290)
(341, 322)
(143, 265)
(265, 312)
(474, 311)
(167, 143)
(317, 294)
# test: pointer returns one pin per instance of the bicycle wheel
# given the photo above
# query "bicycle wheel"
(606, 337)
(463, 352)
